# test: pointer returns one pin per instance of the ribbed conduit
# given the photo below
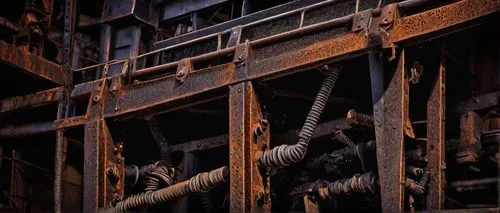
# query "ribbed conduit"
(161, 142)
(202, 182)
(285, 155)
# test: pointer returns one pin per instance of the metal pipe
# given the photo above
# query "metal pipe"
(303, 30)
(195, 59)
(202, 182)
(404, 5)
(27, 129)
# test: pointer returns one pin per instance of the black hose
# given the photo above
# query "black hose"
(206, 200)
(285, 155)
(161, 141)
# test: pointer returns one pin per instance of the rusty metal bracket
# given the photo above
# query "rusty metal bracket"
(361, 20)
(234, 38)
(388, 14)
(183, 69)
(378, 35)
(241, 52)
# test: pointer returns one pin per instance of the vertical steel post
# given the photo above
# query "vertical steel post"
(390, 110)
(102, 157)
(64, 103)
(247, 192)
(436, 138)
(90, 167)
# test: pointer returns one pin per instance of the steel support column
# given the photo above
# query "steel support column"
(247, 185)
(436, 139)
(102, 169)
(390, 110)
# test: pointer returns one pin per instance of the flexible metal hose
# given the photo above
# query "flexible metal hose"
(160, 177)
(202, 182)
(341, 137)
(357, 184)
(161, 141)
(358, 119)
(285, 155)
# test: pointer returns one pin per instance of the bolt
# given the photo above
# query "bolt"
(117, 108)
(257, 133)
(385, 20)
(97, 98)
(264, 122)
(115, 151)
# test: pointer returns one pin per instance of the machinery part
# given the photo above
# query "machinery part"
(284, 155)
(424, 179)
(414, 186)
(414, 170)
(365, 183)
(133, 173)
(202, 182)
(359, 120)
(161, 141)
(341, 137)
(160, 177)
(332, 163)
(470, 135)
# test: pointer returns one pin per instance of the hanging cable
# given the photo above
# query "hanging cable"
(161, 141)
(285, 155)
(202, 182)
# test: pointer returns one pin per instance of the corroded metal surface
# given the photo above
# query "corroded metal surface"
(440, 18)
(32, 64)
(390, 111)
(145, 95)
(31, 100)
(436, 139)
(247, 184)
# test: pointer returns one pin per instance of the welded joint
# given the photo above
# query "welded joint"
(184, 67)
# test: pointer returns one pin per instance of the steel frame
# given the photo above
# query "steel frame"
(118, 97)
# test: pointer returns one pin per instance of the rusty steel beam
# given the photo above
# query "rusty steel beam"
(289, 137)
(390, 111)
(103, 177)
(86, 88)
(440, 18)
(247, 184)
(163, 90)
(42, 127)
(33, 100)
(436, 139)
(32, 64)
(479, 103)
